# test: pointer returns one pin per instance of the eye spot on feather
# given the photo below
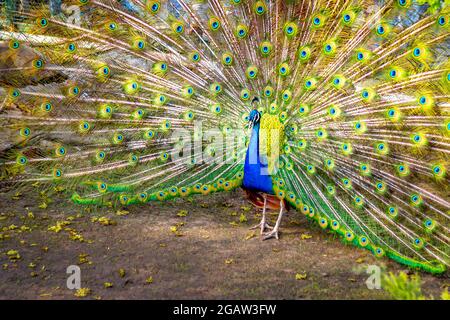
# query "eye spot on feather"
(380, 30)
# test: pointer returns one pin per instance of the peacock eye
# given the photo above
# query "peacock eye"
(346, 17)
(392, 73)
(416, 52)
(360, 56)
(441, 20)
(316, 21)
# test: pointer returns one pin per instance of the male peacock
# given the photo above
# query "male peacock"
(125, 102)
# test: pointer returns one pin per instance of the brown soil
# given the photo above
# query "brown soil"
(210, 256)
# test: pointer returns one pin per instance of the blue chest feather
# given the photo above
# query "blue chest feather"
(256, 177)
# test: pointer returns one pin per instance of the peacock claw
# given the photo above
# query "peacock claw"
(262, 226)
(271, 234)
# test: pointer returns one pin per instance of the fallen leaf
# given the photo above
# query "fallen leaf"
(13, 255)
(82, 292)
(43, 205)
(122, 212)
(242, 218)
(108, 285)
(83, 258)
(305, 236)
(122, 272)
(228, 261)
(16, 196)
(250, 235)
(300, 276)
(182, 213)
(106, 221)
(149, 280)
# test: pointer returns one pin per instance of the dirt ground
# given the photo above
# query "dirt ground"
(199, 248)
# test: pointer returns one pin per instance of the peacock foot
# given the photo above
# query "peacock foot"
(271, 234)
(262, 226)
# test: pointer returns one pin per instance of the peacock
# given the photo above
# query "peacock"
(337, 109)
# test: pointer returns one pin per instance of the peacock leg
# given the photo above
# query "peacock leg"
(274, 232)
(263, 224)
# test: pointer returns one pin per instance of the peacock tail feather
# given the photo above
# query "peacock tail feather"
(125, 102)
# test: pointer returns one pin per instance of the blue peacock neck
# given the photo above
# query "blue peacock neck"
(255, 172)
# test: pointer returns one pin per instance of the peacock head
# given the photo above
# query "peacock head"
(255, 103)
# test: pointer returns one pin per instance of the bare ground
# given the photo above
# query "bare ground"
(208, 254)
